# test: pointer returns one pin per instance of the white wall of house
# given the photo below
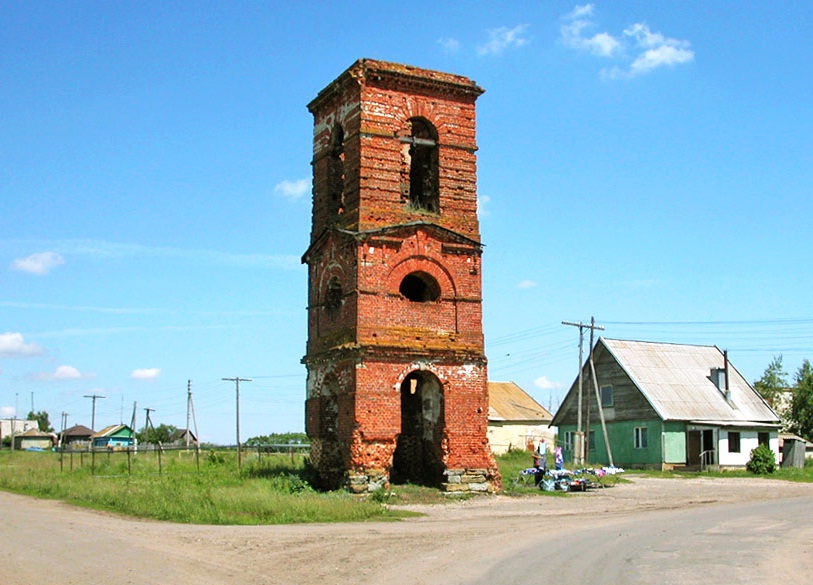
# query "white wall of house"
(20, 426)
(36, 443)
(503, 436)
(748, 441)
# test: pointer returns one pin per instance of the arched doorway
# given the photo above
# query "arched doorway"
(418, 454)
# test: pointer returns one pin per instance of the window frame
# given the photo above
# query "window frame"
(734, 440)
(568, 440)
(640, 438)
(611, 392)
(764, 438)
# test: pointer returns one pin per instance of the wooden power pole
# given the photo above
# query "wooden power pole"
(237, 380)
(579, 449)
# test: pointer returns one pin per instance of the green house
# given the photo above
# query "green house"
(114, 436)
(665, 406)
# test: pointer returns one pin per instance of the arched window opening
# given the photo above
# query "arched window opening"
(335, 171)
(420, 287)
(423, 166)
(334, 295)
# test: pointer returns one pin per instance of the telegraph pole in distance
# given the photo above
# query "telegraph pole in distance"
(578, 448)
(94, 397)
(188, 409)
(237, 381)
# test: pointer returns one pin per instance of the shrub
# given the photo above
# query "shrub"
(762, 461)
(215, 458)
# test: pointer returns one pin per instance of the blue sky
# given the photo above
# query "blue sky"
(646, 163)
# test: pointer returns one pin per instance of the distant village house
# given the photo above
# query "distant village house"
(516, 420)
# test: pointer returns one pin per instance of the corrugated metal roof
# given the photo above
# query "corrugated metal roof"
(111, 430)
(677, 380)
(507, 401)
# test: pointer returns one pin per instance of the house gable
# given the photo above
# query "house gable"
(628, 403)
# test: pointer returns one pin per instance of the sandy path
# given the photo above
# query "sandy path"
(45, 541)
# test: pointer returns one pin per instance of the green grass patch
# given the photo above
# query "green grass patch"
(270, 490)
(804, 474)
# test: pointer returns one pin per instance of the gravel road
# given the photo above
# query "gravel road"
(741, 528)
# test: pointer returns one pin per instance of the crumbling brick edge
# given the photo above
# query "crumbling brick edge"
(458, 481)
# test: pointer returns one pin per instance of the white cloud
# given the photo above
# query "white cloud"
(293, 189)
(581, 11)
(40, 264)
(503, 38)
(601, 44)
(641, 49)
(482, 202)
(63, 373)
(449, 45)
(12, 345)
(104, 250)
(6, 411)
(145, 374)
(526, 284)
(545, 384)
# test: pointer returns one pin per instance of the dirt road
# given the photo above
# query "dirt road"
(743, 528)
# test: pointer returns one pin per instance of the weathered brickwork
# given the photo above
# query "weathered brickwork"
(397, 376)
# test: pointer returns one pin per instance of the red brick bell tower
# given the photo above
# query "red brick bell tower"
(397, 382)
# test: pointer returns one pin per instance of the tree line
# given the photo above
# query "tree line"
(792, 402)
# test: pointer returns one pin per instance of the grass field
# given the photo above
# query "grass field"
(212, 489)
(266, 491)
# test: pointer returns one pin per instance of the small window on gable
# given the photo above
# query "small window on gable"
(421, 158)
(607, 396)
(420, 287)
(335, 171)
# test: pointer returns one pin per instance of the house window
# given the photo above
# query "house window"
(569, 440)
(640, 438)
(764, 439)
(607, 396)
(591, 440)
(733, 442)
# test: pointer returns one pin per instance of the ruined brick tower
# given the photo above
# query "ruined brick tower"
(397, 383)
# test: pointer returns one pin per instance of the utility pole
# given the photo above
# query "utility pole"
(148, 423)
(94, 397)
(188, 409)
(237, 381)
(133, 426)
(14, 418)
(598, 395)
(62, 432)
(579, 446)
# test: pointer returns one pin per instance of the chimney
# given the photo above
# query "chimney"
(725, 373)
